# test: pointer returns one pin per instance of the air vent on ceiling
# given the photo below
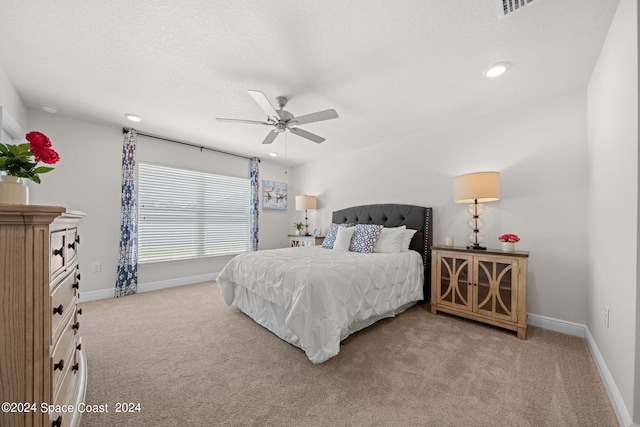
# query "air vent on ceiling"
(507, 7)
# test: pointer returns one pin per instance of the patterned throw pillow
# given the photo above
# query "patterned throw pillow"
(365, 237)
(330, 239)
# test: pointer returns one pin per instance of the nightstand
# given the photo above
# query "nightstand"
(488, 286)
(297, 241)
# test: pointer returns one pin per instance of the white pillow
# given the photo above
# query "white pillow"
(408, 234)
(343, 239)
(390, 240)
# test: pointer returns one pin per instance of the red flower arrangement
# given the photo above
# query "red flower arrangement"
(40, 146)
(22, 160)
(509, 238)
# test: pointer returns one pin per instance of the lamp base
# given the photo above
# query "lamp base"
(477, 247)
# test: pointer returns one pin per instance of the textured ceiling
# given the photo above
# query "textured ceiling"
(389, 68)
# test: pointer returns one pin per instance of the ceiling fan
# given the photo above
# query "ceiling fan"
(282, 120)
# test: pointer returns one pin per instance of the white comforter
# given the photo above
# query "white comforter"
(324, 292)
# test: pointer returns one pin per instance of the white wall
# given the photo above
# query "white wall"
(10, 100)
(87, 178)
(613, 202)
(540, 151)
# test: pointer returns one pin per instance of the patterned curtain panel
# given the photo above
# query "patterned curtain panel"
(127, 279)
(255, 201)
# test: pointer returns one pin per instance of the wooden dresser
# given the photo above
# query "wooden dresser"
(43, 373)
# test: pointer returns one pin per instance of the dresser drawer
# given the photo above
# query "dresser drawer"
(63, 353)
(58, 253)
(65, 394)
(73, 240)
(63, 300)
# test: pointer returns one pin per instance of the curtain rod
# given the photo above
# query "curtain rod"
(201, 147)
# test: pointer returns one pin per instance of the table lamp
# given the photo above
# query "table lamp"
(474, 188)
(303, 203)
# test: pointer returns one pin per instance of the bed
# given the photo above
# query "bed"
(314, 297)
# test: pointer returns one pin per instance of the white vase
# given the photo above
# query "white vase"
(13, 190)
(508, 246)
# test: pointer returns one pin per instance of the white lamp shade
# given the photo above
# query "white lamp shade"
(305, 202)
(480, 186)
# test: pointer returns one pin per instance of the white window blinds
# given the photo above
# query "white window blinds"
(184, 214)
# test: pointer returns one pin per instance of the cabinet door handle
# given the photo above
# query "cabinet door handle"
(72, 245)
(75, 367)
(58, 309)
(59, 365)
(58, 252)
(76, 326)
(79, 347)
(57, 422)
(76, 285)
(78, 276)
(78, 239)
(80, 311)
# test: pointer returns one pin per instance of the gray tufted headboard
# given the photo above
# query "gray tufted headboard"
(391, 215)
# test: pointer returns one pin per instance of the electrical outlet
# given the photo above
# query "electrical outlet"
(606, 316)
(96, 267)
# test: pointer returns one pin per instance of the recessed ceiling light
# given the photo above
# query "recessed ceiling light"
(273, 154)
(132, 117)
(497, 69)
(49, 108)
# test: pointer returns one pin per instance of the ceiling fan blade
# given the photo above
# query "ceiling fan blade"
(270, 137)
(316, 117)
(252, 122)
(303, 133)
(264, 103)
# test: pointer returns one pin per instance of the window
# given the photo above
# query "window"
(185, 214)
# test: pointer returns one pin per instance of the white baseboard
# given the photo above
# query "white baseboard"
(609, 384)
(582, 331)
(146, 287)
(569, 328)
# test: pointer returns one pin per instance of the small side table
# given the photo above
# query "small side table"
(298, 241)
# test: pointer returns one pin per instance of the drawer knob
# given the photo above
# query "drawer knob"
(59, 365)
(58, 309)
(78, 276)
(76, 326)
(76, 285)
(72, 245)
(78, 239)
(58, 252)
(57, 422)
(75, 367)
(79, 347)
(80, 311)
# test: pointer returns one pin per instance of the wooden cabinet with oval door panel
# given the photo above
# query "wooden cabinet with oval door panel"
(486, 286)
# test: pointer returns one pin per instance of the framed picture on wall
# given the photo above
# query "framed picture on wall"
(274, 195)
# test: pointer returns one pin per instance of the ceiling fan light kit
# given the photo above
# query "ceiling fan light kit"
(282, 120)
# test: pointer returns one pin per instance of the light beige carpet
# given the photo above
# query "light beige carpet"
(189, 360)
